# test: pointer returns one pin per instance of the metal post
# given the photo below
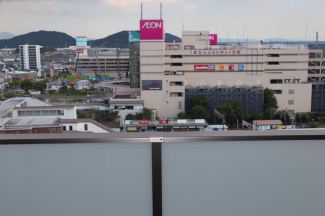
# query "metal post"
(237, 124)
(156, 179)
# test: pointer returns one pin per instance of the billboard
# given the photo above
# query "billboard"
(134, 36)
(143, 122)
(231, 67)
(151, 84)
(79, 51)
(204, 67)
(152, 30)
(213, 39)
(81, 41)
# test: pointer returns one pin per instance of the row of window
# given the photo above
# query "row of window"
(41, 113)
(286, 81)
(71, 127)
(290, 91)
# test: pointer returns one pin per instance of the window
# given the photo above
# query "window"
(276, 81)
(179, 104)
(273, 63)
(277, 91)
(291, 91)
(176, 56)
(64, 128)
(176, 83)
(176, 64)
(176, 94)
(273, 55)
(291, 102)
(86, 127)
(70, 127)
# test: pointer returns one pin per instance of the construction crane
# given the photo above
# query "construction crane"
(222, 117)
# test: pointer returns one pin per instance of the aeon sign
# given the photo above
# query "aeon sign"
(151, 84)
(213, 39)
(152, 30)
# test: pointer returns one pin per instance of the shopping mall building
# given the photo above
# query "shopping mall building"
(170, 73)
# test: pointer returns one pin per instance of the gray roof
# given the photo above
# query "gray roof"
(57, 56)
(8, 105)
(32, 121)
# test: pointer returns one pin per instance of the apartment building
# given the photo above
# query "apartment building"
(168, 70)
(114, 66)
(30, 57)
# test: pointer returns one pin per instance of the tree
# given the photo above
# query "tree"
(112, 116)
(284, 116)
(146, 114)
(232, 111)
(82, 115)
(182, 115)
(199, 100)
(9, 95)
(26, 85)
(269, 99)
(40, 86)
(14, 83)
(200, 112)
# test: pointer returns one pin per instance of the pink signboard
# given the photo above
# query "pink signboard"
(213, 39)
(231, 67)
(152, 30)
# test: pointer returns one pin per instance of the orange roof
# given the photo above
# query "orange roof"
(267, 122)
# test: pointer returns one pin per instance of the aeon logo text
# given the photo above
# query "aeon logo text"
(152, 25)
(153, 85)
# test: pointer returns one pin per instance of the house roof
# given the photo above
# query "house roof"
(57, 56)
(130, 91)
(44, 107)
(267, 122)
(85, 121)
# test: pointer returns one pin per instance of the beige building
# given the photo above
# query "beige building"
(167, 69)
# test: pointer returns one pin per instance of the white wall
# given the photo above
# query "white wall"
(81, 127)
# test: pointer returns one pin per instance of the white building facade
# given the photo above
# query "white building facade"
(30, 57)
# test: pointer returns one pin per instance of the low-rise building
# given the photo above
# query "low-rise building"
(5, 79)
(23, 75)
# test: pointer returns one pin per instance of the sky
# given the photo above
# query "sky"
(237, 19)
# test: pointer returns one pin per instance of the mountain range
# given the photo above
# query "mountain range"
(60, 40)
(6, 35)
(53, 39)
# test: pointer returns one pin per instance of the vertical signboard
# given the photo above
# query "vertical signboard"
(213, 39)
(134, 36)
(152, 30)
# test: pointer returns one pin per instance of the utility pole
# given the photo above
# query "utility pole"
(222, 117)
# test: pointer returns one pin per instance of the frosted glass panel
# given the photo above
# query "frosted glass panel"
(244, 178)
(75, 180)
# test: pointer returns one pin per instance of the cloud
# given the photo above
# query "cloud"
(127, 3)
(28, 4)
(190, 7)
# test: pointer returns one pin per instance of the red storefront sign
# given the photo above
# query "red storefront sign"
(231, 67)
(204, 67)
(163, 122)
(143, 122)
(80, 51)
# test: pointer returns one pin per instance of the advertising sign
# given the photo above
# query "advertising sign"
(182, 121)
(231, 67)
(204, 67)
(221, 67)
(81, 41)
(151, 84)
(213, 39)
(163, 122)
(143, 122)
(241, 67)
(152, 30)
(134, 36)
(79, 51)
